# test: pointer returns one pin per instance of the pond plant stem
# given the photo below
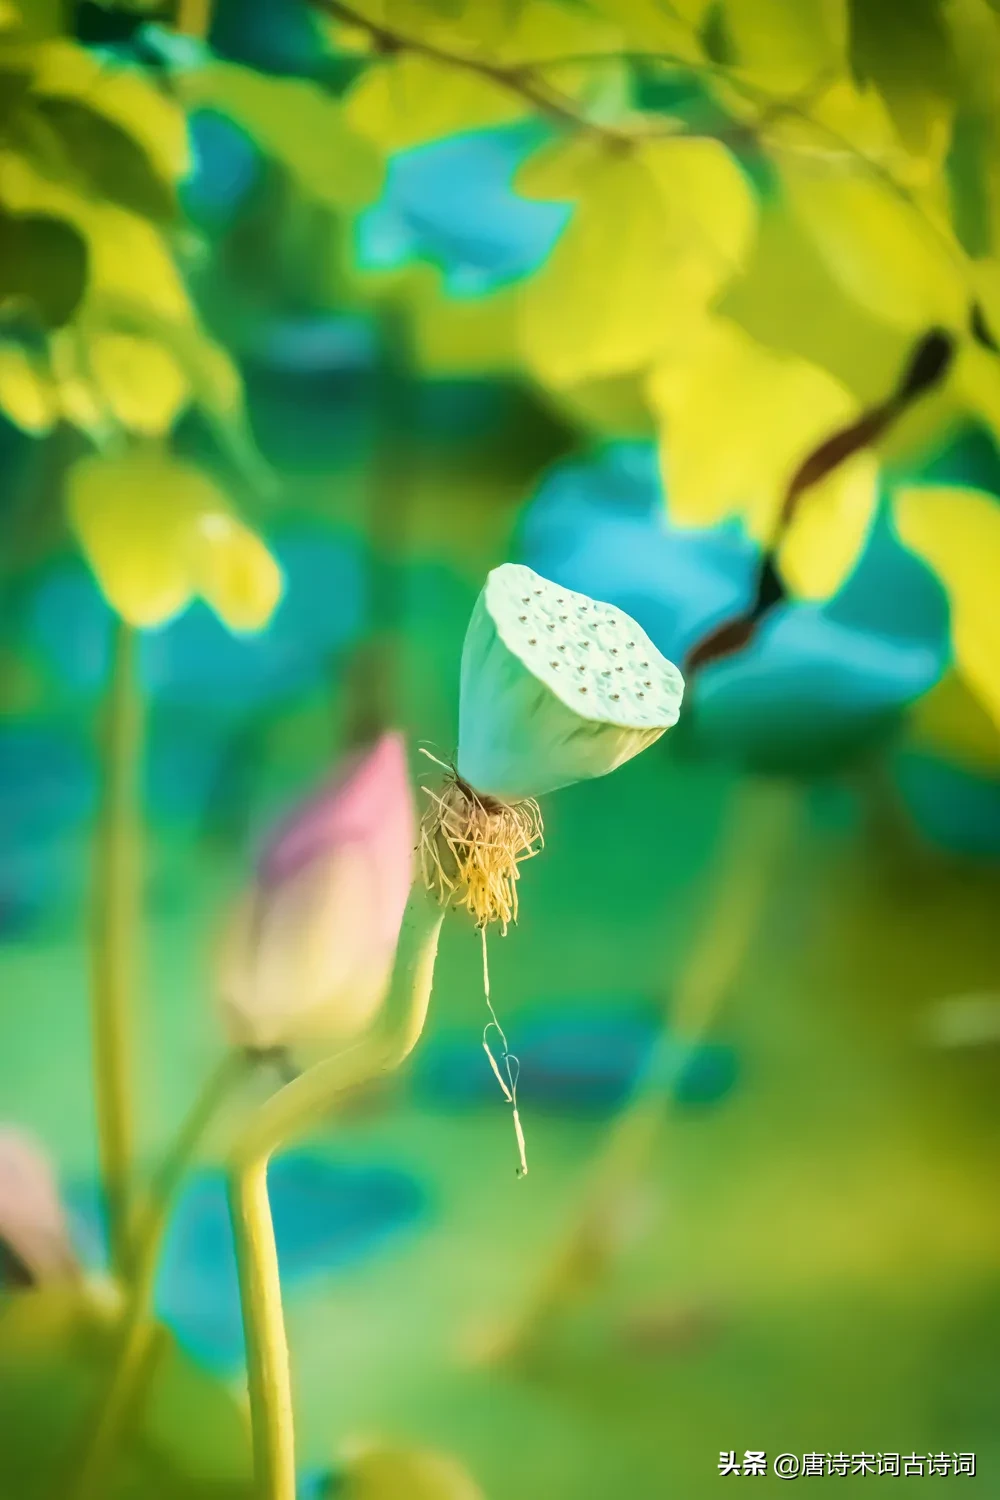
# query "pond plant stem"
(123, 1395)
(756, 837)
(293, 1109)
(117, 913)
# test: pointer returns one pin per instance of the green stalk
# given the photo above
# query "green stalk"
(756, 837)
(116, 921)
(125, 1387)
(292, 1110)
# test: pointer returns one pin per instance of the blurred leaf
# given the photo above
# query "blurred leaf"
(111, 162)
(142, 383)
(898, 260)
(953, 722)
(454, 337)
(416, 1474)
(788, 299)
(785, 47)
(604, 301)
(298, 124)
(27, 393)
(55, 1353)
(904, 48)
(127, 254)
(124, 97)
(738, 420)
(410, 100)
(43, 265)
(957, 533)
(157, 531)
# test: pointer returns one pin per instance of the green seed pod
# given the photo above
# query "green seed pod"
(556, 688)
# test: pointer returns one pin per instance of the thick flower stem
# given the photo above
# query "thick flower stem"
(124, 1392)
(116, 920)
(756, 838)
(292, 1110)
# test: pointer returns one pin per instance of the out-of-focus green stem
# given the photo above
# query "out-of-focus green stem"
(194, 18)
(755, 839)
(125, 1388)
(290, 1111)
(117, 915)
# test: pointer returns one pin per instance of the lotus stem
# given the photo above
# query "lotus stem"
(117, 878)
(125, 1388)
(292, 1110)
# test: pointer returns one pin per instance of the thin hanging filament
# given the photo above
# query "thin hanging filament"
(512, 1066)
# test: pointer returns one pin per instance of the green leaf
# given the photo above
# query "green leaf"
(110, 161)
(43, 267)
(904, 48)
(297, 123)
(957, 533)
(190, 1442)
(606, 301)
(737, 421)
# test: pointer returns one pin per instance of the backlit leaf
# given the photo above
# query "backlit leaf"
(157, 531)
(904, 48)
(890, 254)
(27, 393)
(785, 47)
(605, 302)
(957, 533)
(141, 382)
(952, 721)
(738, 420)
(43, 266)
(298, 124)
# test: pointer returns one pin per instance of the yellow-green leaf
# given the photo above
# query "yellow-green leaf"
(904, 48)
(416, 1474)
(786, 45)
(297, 123)
(409, 100)
(607, 300)
(150, 115)
(894, 256)
(157, 531)
(957, 533)
(737, 421)
(27, 393)
(953, 722)
(144, 387)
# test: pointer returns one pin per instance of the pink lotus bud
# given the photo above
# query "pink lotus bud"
(309, 949)
(33, 1228)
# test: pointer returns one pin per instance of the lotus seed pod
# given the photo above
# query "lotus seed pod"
(556, 687)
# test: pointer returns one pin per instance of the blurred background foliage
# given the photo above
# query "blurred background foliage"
(309, 315)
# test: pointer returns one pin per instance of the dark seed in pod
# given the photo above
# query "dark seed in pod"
(644, 664)
(526, 599)
(615, 697)
(647, 684)
(585, 645)
(607, 673)
(522, 618)
(629, 645)
(581, 668)
(563, 617)
(560, 601)
(619, 669)
(561, 648)
(640, 695)
(537, 592)
(614, 650)
(553, 664)
(532, 642)
(583, 690)
(550, 627)
(583, 609)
